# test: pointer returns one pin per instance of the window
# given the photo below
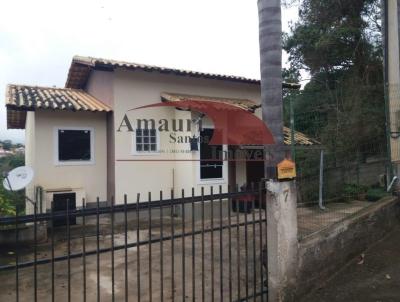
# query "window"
(74, 145)
(210, 167)
(146, 141)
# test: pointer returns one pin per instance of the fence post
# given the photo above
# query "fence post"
(282, 243)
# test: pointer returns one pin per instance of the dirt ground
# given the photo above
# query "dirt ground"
(377, 279)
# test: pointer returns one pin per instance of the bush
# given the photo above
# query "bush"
(10, 200)
(351, 191)
(374, 194)
(10, 162)
(6, 209)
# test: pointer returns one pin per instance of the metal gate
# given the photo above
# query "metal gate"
(205, 247)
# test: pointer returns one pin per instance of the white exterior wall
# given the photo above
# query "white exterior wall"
(30, 155)
(100, 85)
(89, 180)
(124, 90)
(134, 175)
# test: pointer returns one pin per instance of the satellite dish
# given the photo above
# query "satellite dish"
(18, 178)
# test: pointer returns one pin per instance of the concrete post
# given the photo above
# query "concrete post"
(392, 78)
(282, 244)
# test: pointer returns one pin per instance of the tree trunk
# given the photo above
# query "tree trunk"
(270, 31)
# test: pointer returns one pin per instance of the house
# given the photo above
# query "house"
(78, 143)
(19, 150)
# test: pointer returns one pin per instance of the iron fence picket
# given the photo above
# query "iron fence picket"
(150, 256)
(193, 250)
(161, 249)
(220, 247)
(246, 251)
(52, 253)
(183, 249)
(98, 247)
(261, 202)
(217, 265)
(68, 252)
(172, 248)
(84, 250)
(16, 255)
(230, 243)
(238, 245)
(126, 247)
(35, 253)
(112, 252)
(202, 246)
(212, 242)
(138, 248)
(253, 213)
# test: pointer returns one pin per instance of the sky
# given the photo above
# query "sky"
(39, 38)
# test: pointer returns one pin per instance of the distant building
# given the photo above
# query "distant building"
(4, 153)
(19, 150)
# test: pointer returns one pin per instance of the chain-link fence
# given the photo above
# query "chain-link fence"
(346, 167)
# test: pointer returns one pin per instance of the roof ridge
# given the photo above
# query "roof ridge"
(93, 60)
(81, 66)
(44, 87)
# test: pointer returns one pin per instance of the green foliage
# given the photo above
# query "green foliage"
(10, 162)
(7, 144)
(343, 104)
(332, 35)
(374, 194)
(9, 200)
(339, 43)
(353, 190)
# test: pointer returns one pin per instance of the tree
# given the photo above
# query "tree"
(270, 34)
(7, 144)
(339, 43)
(10, 200)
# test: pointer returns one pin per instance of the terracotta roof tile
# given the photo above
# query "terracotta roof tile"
(241, 103)
(300, 138)
(34, 97)
(21, 98)
(81, 66)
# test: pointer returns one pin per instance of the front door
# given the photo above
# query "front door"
(254, 172)
(254, 175)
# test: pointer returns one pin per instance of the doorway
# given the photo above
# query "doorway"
(60, 202)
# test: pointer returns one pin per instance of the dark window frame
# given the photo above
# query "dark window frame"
(210, 169)
(74, 158)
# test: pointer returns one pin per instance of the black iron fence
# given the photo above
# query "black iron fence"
(196, 248)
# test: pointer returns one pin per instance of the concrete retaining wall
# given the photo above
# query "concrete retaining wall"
(26, 235)
(323, 253)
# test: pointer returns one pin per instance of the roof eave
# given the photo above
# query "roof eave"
(87, 64)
